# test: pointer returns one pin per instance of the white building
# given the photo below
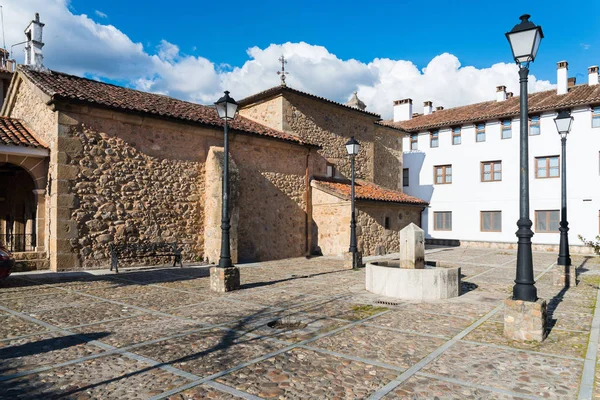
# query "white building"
(465, 162)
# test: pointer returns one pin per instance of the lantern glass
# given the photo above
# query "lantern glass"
(226, 107)
(525, 39)
(353, 147)
(563, 122)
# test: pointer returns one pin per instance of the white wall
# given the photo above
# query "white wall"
(467, 195)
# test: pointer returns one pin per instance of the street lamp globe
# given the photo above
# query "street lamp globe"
(563, 122)
(525, 40)
(226, 107)
(353, 147)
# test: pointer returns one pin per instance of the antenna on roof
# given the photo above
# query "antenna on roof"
(283, 61)
(3, 36)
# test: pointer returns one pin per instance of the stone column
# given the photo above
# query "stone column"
(525, 320)
(40, 220)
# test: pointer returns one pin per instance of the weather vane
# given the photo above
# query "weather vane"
(282, 72)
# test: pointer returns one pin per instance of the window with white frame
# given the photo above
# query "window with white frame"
(534, 125)
(456, 137)
(506, 129)
(480, 133)
(596, 117)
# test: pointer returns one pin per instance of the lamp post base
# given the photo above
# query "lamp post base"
(525, 320)
(564, 276)
(224, 279)
(349, 263)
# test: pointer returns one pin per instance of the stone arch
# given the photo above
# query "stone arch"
(37, 167)
(23, 181)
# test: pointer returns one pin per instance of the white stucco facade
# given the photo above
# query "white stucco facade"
(467, 196)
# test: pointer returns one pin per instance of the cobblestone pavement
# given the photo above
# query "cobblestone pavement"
(160, 333)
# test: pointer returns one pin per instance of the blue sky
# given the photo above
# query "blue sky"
(411, 30)
(451, 53)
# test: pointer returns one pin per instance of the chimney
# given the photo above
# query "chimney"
(571, 82)
(427, 107)
(561, 77)
(500, 93)
(593, 75)
(402, 110)
(33, 47)
(439, 108)
(509, 95)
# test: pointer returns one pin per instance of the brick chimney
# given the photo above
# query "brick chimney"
(500, 93)
(571, 82)
(562, 82)
(403, 110)
(593, 75)
(427, 107)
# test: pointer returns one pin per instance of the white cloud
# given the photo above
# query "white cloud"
(76, 44)
(100, 14)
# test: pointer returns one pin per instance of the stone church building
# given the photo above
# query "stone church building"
(84, 164)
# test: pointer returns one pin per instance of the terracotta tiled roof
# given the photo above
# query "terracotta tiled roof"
(12, 132)
(61, 86)
(364, 190)
(540, 101)
(281, 89)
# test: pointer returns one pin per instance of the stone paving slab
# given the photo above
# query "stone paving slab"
(124, 290)
(13, 326)
(87, 313)
(419, 322)
(165, 299)
(36, 351)
(208, 352)
(219, 312)
(203, 392)
(114, 377)
(306, 374)
(559, 342)
(372, 343)
(420, 387)
(315, 325)
(343, 310)
(454, 308)
(138, 329)
(519, 372)
(47, 302)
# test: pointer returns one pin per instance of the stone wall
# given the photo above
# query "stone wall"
(28, 107)
(273, 221)
(387, 160)
(267, 112)
(373, 238)
(331, 223)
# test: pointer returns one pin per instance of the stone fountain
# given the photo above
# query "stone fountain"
(410, 277)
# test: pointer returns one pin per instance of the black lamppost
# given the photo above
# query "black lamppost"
(524, 41)
(227, 108)
(563, 123)
(353, 147)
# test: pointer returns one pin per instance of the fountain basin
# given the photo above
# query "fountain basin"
(386, 278)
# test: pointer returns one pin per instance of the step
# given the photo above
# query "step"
(31, 265)
(30, 255)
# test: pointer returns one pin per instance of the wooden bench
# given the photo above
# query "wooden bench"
(129, 251)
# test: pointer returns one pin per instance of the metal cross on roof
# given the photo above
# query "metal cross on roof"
(283, 61)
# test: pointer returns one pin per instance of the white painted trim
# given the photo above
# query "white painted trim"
(23, 151)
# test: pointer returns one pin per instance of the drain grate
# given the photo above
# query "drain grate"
(388, 303)
(287, 324)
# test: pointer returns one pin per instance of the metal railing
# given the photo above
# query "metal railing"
(18, 242)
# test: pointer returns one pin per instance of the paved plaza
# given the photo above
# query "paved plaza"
(161, 333)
